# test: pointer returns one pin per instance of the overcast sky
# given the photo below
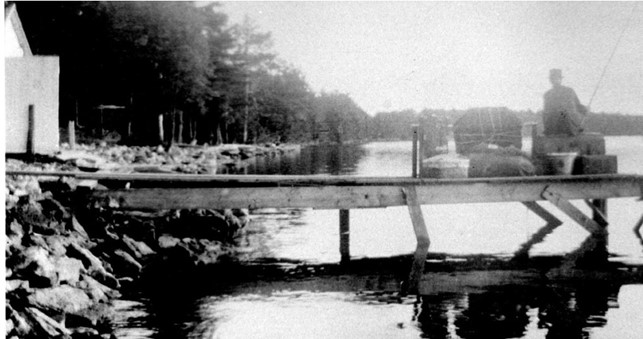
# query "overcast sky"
(398, 55)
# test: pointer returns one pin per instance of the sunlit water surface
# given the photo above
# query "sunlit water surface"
(300, 310)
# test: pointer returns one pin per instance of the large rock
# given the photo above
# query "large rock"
(167, 241)
(39, 265)
(64, 298)
(236, 219)
(23, 186)
(68, 269)
(20, 323)
(54, 209)
(126, 264)
(88, 259)
(47, 270)
(138, 249)
(16, 284)
(83, 160)
(30, 216)
(96, 291)
(9, 326)
(57, 244)
(93, 265)
(208, 252)
(78, 228)
(85, 333)
(45, 325)
(15, 233)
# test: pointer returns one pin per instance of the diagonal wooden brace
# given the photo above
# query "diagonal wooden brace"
(577, 215)
(539, 236)
(599, 216)
(595, 246)
(422, 236)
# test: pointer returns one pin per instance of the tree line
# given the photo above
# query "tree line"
(177, 72)
(395, 125)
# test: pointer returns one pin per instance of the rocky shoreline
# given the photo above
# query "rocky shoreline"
(67, 259)
(176, 159)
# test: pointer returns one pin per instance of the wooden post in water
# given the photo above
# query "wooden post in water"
(31, 131)
(599, 214)
(414, 155)
(422, 144)
(422, 237)
(71, 131)
(344, 236)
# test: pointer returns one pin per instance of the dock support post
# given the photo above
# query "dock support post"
(422, 144)
(422, 236)
(599, 213)
(344, 236)
(31, 127)
(414, 155)
(71, 131)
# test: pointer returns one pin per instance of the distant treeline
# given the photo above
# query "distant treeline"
(177, 72)
(395, 125)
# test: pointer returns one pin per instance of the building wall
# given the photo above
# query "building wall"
(32, 81)
(12, 47)
(15, 41)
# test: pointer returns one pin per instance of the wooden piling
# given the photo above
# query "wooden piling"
(344, 235)
(422, 146)
(599, 214)
(31, 131)
(71, 131)
(414, 154)
(421, 235)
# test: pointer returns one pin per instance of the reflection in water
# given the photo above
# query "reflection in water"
(313, 159)
(327, 306)
(507, 312)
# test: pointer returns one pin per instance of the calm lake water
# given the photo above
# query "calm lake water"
(366, 306)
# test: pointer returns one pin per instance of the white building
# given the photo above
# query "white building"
(31, 83)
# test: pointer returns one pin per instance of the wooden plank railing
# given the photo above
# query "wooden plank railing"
(174, 191)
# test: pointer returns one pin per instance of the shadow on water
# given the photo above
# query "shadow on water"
(263, 299)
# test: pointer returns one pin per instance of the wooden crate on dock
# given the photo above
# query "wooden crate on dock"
(595, 164)
(445, 166)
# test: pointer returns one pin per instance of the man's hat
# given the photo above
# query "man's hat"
(555, 73)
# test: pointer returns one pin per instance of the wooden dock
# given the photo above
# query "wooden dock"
(178, 191)
(190, 191)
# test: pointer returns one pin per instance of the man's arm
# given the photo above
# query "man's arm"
(579, 107)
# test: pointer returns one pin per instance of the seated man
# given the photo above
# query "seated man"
(563, 113)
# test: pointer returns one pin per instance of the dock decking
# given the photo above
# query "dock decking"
(189, 191)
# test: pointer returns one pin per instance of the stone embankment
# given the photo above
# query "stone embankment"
(177, 159)
(66, 258)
